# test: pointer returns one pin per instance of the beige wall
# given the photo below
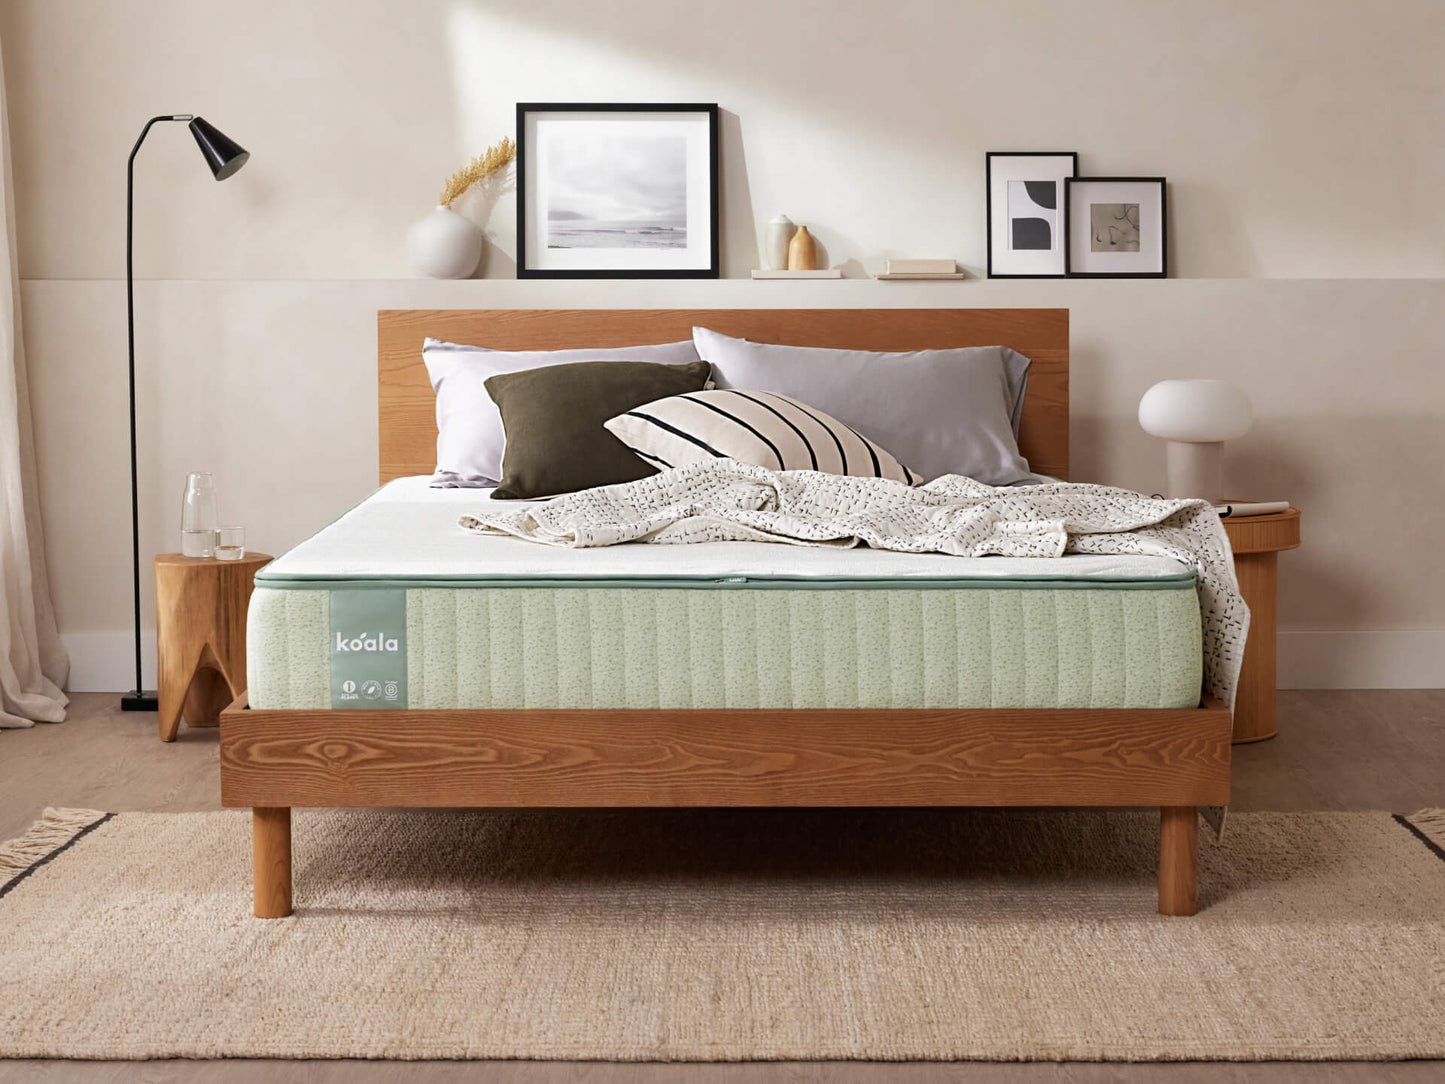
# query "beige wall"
(1302, 137)
(1301, 140)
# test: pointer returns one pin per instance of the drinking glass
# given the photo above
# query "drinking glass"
(230, 543)
(198, 515)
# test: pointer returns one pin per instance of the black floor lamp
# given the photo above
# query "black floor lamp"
(224, 157)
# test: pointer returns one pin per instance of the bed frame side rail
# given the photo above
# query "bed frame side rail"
(762, 757)
(1177, 759)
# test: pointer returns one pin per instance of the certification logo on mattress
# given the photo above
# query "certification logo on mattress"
(368, 649)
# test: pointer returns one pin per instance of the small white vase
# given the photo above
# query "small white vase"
(780, 232)
(444, 245)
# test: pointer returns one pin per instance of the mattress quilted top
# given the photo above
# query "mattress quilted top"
(408, 531)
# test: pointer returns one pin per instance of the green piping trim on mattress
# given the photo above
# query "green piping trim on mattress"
(293, 582)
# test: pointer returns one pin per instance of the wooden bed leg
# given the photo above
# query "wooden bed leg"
(271, 856)
(1178, 859)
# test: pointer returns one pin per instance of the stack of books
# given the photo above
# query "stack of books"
(922, 269)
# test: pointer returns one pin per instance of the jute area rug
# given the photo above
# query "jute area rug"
(704, 935)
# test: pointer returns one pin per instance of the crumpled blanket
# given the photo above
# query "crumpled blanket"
(724, 500)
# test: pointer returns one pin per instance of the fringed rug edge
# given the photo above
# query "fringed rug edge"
(55, 830)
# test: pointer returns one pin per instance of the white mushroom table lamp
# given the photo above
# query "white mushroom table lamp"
(1195, 417)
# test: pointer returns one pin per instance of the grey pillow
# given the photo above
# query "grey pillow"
(939, 411)
(470, 437)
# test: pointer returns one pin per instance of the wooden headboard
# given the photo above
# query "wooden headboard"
(407, 407)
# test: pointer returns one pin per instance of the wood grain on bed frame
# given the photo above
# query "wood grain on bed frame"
(407, 407)
(726, 757)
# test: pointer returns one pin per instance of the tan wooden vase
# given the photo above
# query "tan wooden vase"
(802, 251)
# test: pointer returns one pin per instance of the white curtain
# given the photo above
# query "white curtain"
(33, 664)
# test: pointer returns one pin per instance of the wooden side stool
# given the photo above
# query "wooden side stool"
(201, 636)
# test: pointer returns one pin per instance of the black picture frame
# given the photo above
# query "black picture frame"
(712, 271)
(1163, 271)
(988, 158)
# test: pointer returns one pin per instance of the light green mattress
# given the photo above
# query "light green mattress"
(1039, 645)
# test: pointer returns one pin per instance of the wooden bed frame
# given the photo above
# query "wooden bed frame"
(273, 760)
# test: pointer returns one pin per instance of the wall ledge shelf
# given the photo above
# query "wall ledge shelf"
(825, 273)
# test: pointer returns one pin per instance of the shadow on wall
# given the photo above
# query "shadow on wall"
(1357, 481)
(884, 122)
(479, 204)
(852, 267)
(1230, 242)
(1344, 474)
(597, 56)
(738, 239)
(1270, 463)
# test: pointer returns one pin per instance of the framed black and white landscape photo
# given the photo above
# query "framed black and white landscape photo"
(617, 191)
(1116, 227)
(1025, 207)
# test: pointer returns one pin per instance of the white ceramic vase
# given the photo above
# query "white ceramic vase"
(780, 232)
(444, 245)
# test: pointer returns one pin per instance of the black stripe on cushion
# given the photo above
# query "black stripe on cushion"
(877, 467)
(812, 456)
(782, 464)
(842, 453)
(654, 459)
(704, 445)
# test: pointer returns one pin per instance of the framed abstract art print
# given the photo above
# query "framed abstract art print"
(1115, 227)
(617, 191)
(1025, 197)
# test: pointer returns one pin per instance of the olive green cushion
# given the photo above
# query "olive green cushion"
(553, 416)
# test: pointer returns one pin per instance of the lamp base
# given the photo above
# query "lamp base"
(1195, 469)
(140, 700)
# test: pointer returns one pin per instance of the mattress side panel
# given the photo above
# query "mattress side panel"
(647, 648)
(288, 659)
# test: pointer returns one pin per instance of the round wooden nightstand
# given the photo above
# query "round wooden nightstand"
(1257, 542)
(201, 636)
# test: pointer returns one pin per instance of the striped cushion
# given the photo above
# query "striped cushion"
(758, 427)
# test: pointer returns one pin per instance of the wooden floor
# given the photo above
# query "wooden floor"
(1336, 750)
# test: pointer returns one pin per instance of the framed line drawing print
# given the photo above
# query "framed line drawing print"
(1025, 212)
(1115, 227)
(617, 191)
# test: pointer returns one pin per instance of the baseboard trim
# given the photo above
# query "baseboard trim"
(104, 662)
(1348, 659)
(1362, 659)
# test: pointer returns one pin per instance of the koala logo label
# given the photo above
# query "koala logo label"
(367, 642)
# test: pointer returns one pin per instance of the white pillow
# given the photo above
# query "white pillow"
(470, 438)
(940, 411)
(758, 427)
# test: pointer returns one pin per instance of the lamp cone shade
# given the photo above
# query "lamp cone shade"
(222, 154)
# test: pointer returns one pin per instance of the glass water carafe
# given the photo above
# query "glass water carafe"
(199, 519)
